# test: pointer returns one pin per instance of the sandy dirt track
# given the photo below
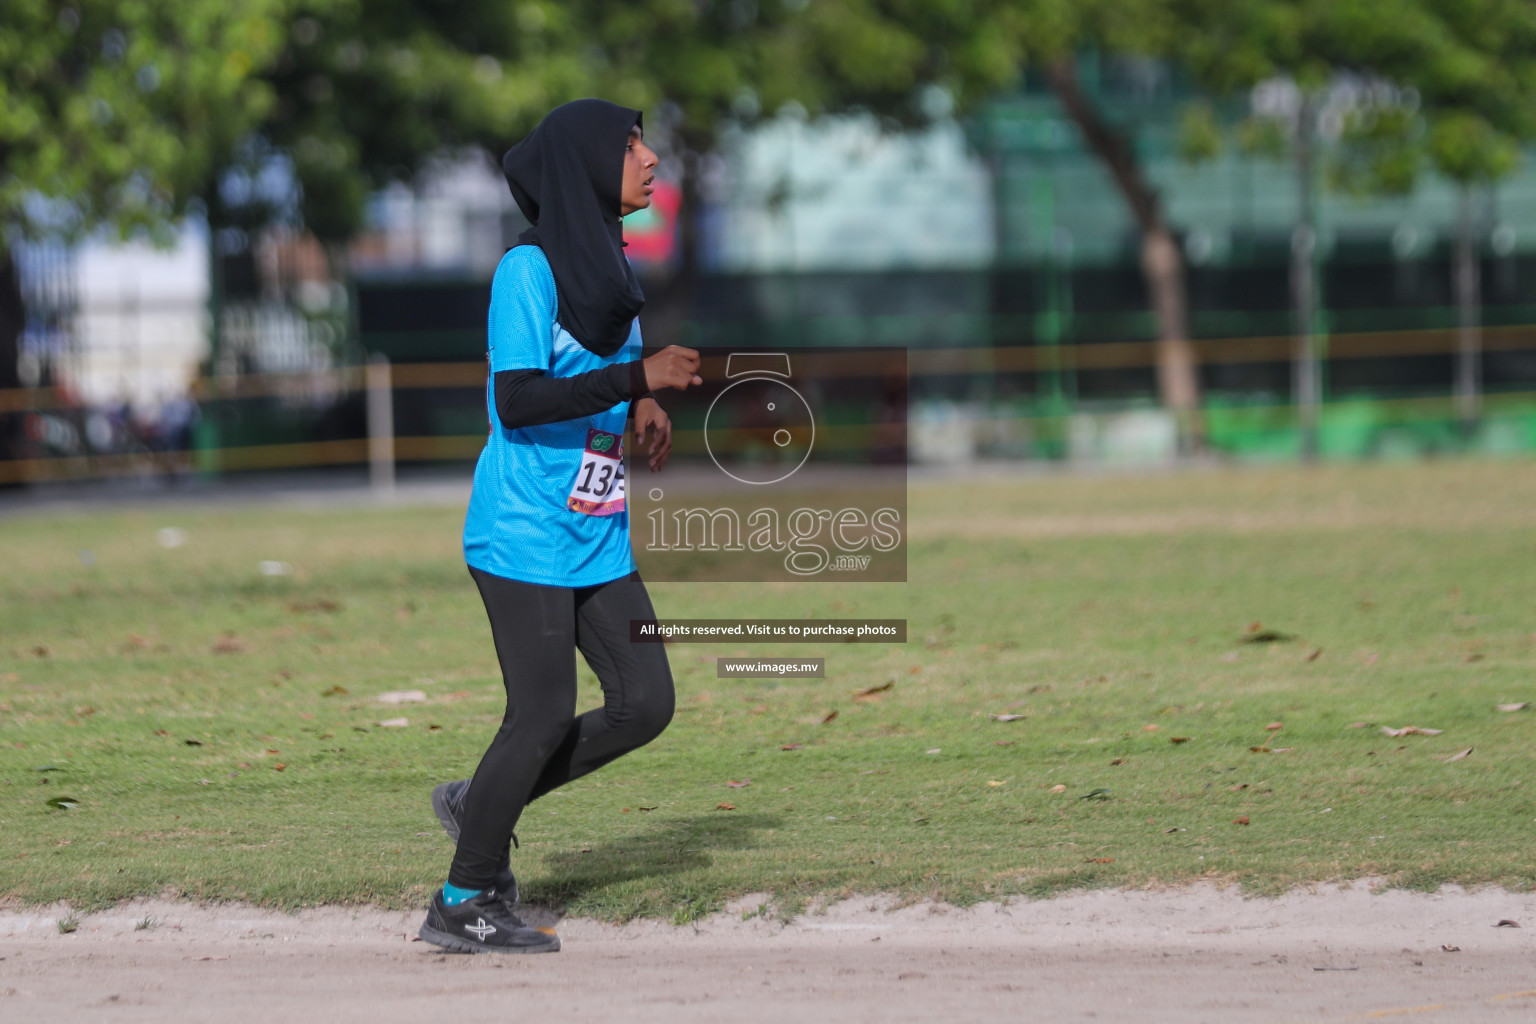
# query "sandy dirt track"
(1193, 955)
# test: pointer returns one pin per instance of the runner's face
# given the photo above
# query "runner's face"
(639, 174)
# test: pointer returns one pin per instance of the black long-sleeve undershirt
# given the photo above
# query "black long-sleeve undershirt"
(527, 398)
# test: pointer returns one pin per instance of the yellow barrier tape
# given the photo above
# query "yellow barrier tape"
(834, 362)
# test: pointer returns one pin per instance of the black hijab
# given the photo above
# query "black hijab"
(567, 177)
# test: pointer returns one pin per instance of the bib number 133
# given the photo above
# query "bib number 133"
(598, 489)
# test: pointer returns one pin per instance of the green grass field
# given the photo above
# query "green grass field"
(217, 728)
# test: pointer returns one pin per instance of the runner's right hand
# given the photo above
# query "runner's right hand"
(672, 367)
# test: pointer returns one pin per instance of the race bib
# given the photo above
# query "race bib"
(598, 489)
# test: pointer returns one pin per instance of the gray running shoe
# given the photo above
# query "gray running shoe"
(485, 924)
(448, 805)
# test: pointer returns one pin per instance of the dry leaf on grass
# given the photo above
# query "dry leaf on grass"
(1257, 634)
(1179, 739)
(792, 746)
(1410, 730)
(873, 692)
(1514, 707)
(1316, 653)
(1240, 821)
(395, 723)
(1264, 748)
(1461, 755)
(1357, 725)
(1007, 718)
(1448, 948)
(227, 644)
(723, 806)
(1101, 860)
(323, 604)
(1058, 788)
(742, 784)
(1507, 923)
(829, 718)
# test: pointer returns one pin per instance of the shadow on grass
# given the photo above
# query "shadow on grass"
(667, 847)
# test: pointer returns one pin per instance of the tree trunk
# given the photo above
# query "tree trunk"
(1469, 339)
(1178, 382)
(1306, 371)
(1162, 262)
(12, 320)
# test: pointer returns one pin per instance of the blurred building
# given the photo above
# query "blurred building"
(841, 194)
(1003, 233)
(120, 323)
(1067, 272)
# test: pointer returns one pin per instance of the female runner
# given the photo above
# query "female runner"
(547, 532)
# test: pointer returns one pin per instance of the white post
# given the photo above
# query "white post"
(381, 426)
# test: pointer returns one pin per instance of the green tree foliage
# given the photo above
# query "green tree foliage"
(367, 93)
(715, 61)
(732, 59)
(1462, 74)
(115, 112)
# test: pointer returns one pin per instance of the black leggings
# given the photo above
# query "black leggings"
(542, 743)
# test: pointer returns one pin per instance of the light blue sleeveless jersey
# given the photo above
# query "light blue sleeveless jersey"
(518, 525)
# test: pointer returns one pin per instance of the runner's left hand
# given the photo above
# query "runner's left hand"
(649, 417)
